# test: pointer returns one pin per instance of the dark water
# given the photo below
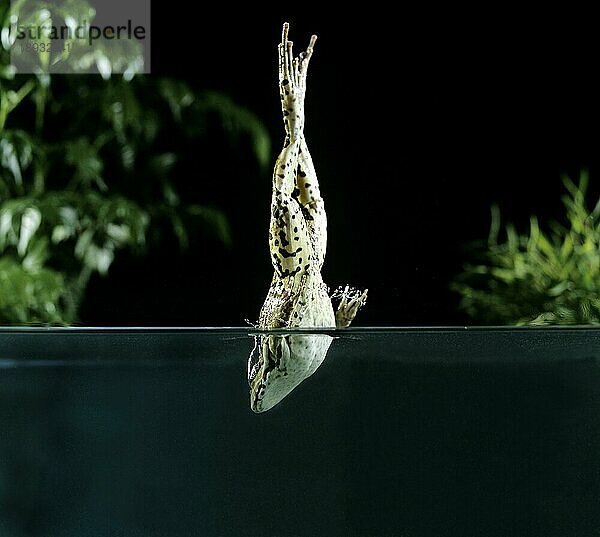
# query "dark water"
(398, 433)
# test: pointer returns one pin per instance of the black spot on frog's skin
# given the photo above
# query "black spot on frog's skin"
(306, 214)
(284, 241)
(306, 185)
(286, 113)
(280, 175)
(286, 273)
(296, 238)
(285, 82)
(301, 172)
(285, 254)
(293, 217)
(295, 193)
(295, 230)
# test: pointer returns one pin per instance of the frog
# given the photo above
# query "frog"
(297, 297)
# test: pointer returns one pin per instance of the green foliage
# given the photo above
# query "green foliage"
(31, 295)
(89, 166)
(545, 277)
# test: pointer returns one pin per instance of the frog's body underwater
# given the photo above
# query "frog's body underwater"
(297, 297)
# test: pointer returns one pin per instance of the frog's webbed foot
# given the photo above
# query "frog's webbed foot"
(292, 82)
(351, 301)
(292, 71)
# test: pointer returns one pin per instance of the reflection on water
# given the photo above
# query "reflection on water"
(278, 363)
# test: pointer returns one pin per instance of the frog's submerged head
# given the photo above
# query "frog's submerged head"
(279, 363)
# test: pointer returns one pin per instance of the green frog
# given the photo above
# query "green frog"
(297, 297)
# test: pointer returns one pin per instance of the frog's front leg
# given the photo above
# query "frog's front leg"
(351, 300)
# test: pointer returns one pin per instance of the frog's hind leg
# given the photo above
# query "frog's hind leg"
(306, 186)
(289, 237)
(308, 196)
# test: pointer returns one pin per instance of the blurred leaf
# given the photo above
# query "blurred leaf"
(179, 230)
(83, 156)
(164, 162)
(10, 161)
(30, 222)
(178, 96)
(98, 258)
(119, 234)
(61, 233)
(83, 243)
(104, 66)
(36, 256)
(236, 120)
(214, 219)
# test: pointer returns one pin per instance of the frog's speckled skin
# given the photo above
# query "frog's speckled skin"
(297, 297)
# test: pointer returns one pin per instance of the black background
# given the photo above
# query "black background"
(417, 122)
